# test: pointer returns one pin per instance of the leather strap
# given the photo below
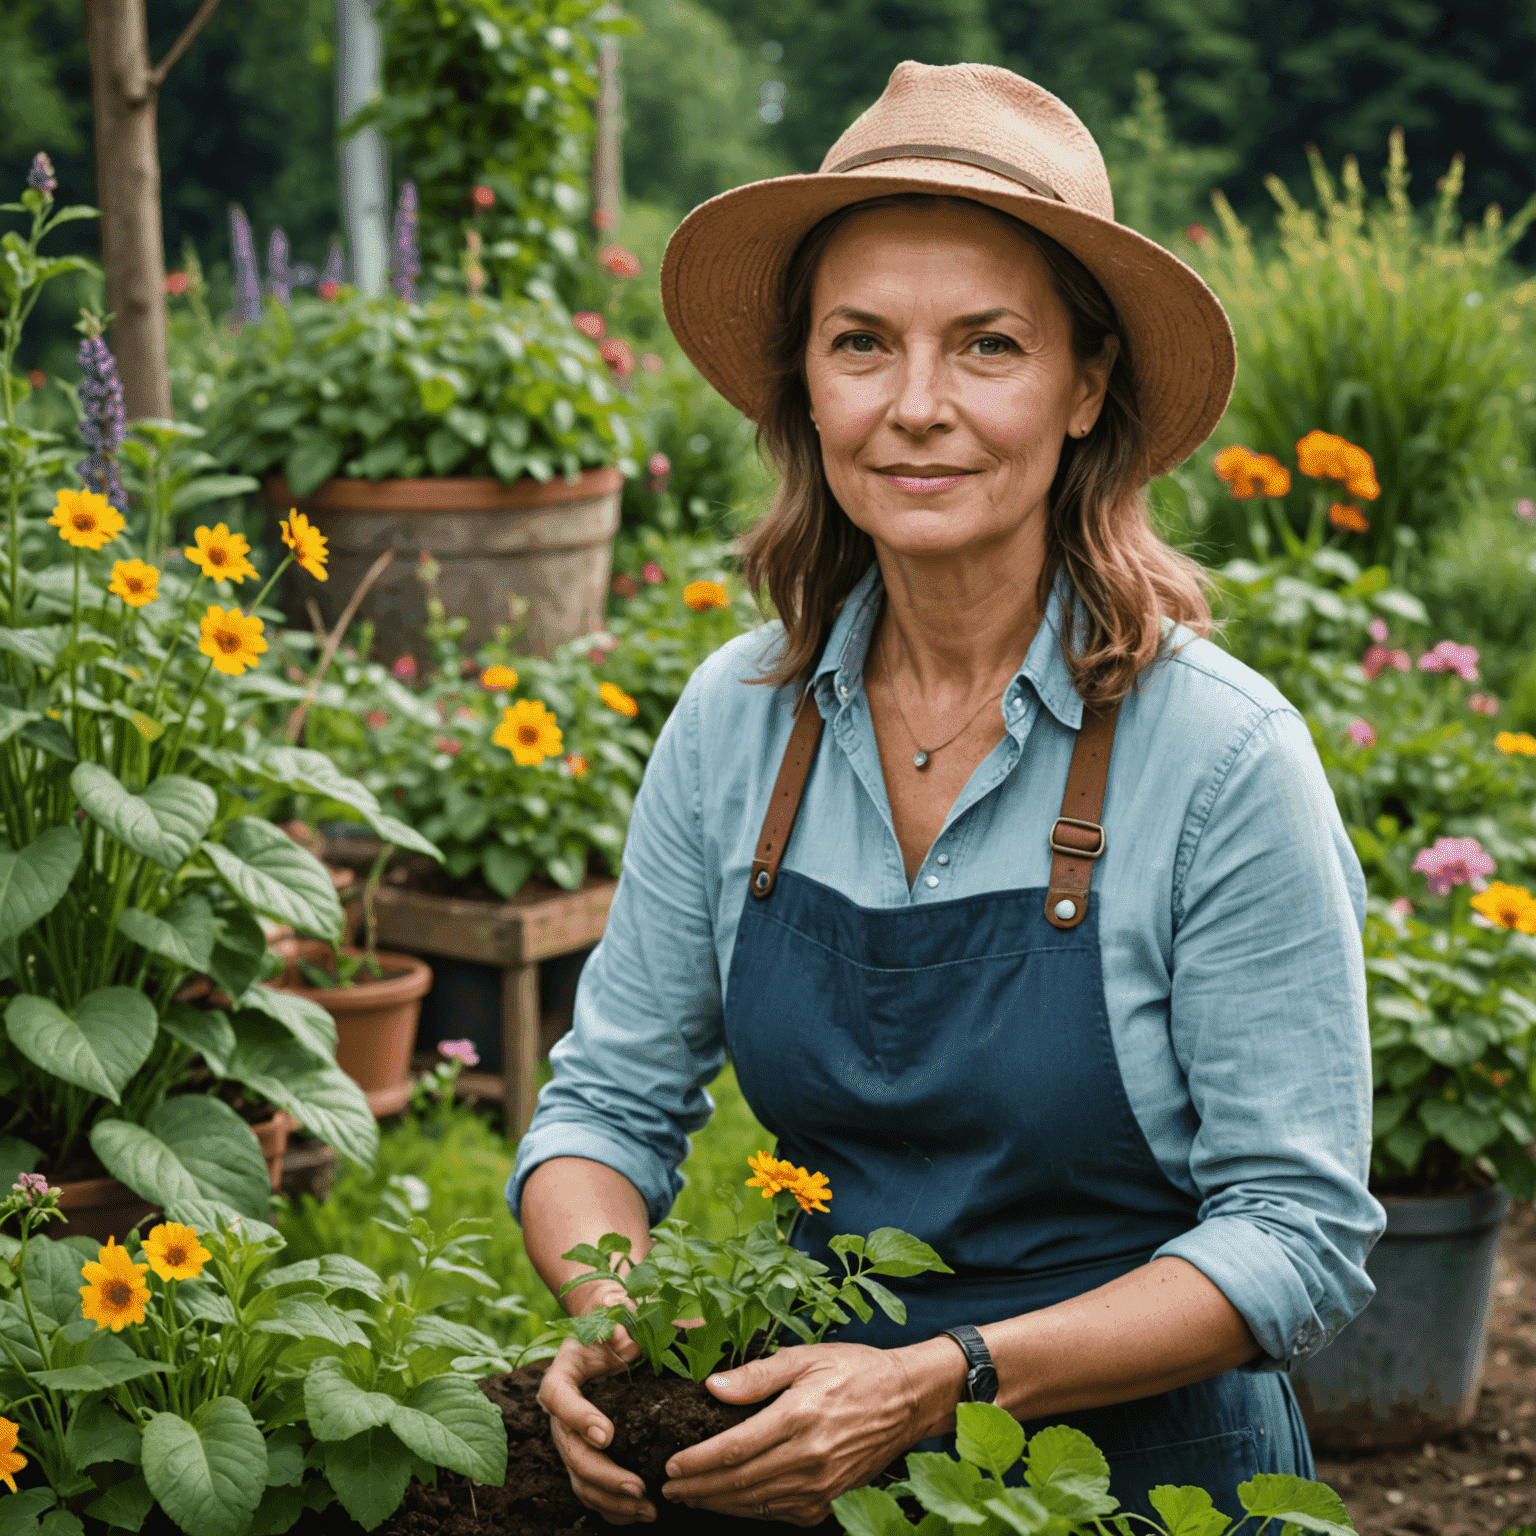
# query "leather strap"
(958, 156)
(784, 803)
(1077, 838)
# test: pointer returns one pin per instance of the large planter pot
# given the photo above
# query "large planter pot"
(1409, 1367)
(375, 1020)
(550, 543)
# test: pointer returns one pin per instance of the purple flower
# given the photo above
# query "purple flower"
(459, 1050)
(279, 282)
(404, 253)
(1448, 656)
(41, 178)
(101, 398)
(242, 245)
(1454, 861)
(33, 1185)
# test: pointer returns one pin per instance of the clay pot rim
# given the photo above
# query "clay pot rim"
(445, 493)
(362, 996)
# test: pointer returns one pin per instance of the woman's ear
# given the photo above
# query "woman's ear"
(1093, 385)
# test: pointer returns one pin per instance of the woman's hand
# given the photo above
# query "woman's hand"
(847, 1411)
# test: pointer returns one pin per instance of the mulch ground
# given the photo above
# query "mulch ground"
(1482, 1481)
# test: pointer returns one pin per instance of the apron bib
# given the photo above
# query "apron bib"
(950, 1068)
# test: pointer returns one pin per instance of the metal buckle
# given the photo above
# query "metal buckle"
(1078, 853)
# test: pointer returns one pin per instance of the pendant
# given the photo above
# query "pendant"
(919, 759)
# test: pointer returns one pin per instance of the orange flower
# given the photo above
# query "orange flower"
(1510, 906)
(220, 554)
(115, 1292)
(232, 641)
(85, 519)
(11, 1460)
(701, 596)
(307, 543)
(174, 1252)
(1521, 742)
(576, 765)
(1351, 519)
(1322, 456)
(498, 678)
(615, 698)
(1251, 474)
(529, 732)
(135, 582)
(773, 1175)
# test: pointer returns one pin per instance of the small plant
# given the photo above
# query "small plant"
(344, 968)
(1065, 1492)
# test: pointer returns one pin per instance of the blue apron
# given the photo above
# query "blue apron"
(950, 1068)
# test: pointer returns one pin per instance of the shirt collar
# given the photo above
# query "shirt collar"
(840, 671)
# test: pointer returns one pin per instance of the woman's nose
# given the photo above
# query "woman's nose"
(920, 402)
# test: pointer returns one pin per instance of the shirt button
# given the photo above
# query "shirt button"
(943, 858)
(843, 691)
(931, 881)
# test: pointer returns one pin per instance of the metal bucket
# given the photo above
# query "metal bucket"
(1409, 1367)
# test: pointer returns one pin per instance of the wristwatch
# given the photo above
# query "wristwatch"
(981, 1374)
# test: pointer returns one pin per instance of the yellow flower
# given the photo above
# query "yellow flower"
(174, 1252)
(1349, 518)
(86, 519)
(306, 541)
(220, 554)
(1510, 906)
(498, 677)
(1251, 474)
(135, 582)
(1521, 742)
(232, 639)
(115, 1292)
(701, 596)
(11, 1460)
(529, 732)
(576, 765)
(809, 1189)
(615, 698)
(1322, 456)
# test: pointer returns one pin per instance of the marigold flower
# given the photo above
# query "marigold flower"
(11, 1460)
(1516, 742)
(85, 519)
(1251, 474)
(1454, 861)
(620, 262)
(529, 732)
(231, 640)
(619, 356)
(114, 1293)
(772, 1175)
(1342, 515)
(1362, 733)
(1323, 456)
(589, 323)
(174, 1252)
(221, 554)
(701, 596)
(615, 698)
(307, 543)
(1510, 906)
(135, 582)
(498, 677)
(1448, 656)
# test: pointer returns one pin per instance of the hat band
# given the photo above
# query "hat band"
(948, 152)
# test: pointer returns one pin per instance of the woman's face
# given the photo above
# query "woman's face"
(942, 380)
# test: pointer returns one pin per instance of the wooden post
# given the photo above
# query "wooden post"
(607, 164)
(519, 1046)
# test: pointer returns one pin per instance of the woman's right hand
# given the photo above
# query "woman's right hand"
(580, 1431)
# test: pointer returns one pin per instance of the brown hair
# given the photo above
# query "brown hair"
(809, 555)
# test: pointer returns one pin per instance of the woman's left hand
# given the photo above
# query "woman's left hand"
(846, 1413)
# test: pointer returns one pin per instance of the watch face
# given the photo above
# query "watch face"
(982, 1380)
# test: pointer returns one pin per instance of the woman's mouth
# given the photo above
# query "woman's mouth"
(924, 484)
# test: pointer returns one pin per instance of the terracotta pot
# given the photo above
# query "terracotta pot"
(273, 1135)
(551, 543)
(375, 1020)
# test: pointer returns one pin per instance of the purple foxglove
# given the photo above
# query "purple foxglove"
(404, 253)
(41, 178)
(242, 245)
(101, 399)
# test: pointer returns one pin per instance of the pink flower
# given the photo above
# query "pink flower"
(597, 657)
(404, 667)
(652, 573)
(449, 744)
(1403, 907)
(658, 464)
(1196, 234)
(589, 323)
(376, 719)
(1454, 861)
(33, 1185)
(651, 362)
(483, 197)
(620, 262)
(1450, 657)
(1362, 734)
(1525, 510)
(328, 291)
(463, 712)
(1379, 657)
(619, 356)
(1377, 630)
(177, 282)
(1484, 704)
(459, 1050)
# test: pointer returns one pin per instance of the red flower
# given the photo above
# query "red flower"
(328, 291)
(625, 586)
(589, 323)
(619, 356)
(1197, 234)
(376, 719)
(652, 573)
(449, 744)
(37, 378)
(483, 197)
(176, 282)
(620, 262)
(404, 667)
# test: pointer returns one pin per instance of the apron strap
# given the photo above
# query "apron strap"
(784, 805)
(1077, 838)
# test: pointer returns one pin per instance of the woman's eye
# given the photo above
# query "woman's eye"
(859, 342)
(994, 346)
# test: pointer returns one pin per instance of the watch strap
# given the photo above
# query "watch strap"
(981, 1373)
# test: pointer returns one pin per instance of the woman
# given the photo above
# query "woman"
(1025, 914)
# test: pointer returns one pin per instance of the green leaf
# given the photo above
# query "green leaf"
(888, 1302)
(39, 646)
(891, 1252)
(98, 1375)
(208, 488)
(306, 1021)
(449, 1421)
(183, 933)
(98, 1047)
(506, 871)
(164, 824)
(1021, 1510)
(369, 1472)
(1188, 1511)
(49, 736)
(947, 1487)
(267, 869)
(33, 881)
(19, 1511)
(285, 1456)
(1066, 1461)
(279, 1510)
(238, 951)
(12, 720)
(1464, 1128)
(870, 1512)
(988, 1436)
(204, 1030)
(206, 1216)
(304, 1317)
(124, 1505)
(18, 1157)
(208, 1473)
(52, 1273)
(337, 1407)
(314, 459)
(1283, 1496)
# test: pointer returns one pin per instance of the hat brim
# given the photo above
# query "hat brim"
(721, 274)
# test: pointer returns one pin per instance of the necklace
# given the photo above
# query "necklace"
(921, 756)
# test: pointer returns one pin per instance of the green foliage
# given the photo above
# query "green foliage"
(1065, 1492)
(453, 386)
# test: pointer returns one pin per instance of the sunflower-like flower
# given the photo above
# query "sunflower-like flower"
(114, 1293)
(1249, 474)
(135, 582)
(11, 1460)
(221, 554)
(1510, 906)
(307, 543)
(231, 640)
(174, 1252)
(772, 1175)
(529, 732)
(1323, 456)
(498, 678)
(85, 519)
(701, 596)
(615, 698)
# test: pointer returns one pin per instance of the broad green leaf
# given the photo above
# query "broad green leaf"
(1022, 1510)
(279, 1510)
(183, 932)
(285, 1456)
(309, 1022)
(988, 1436)
(1452, 1045)
(369, 1472)
(267, 869)
(304, 1317)
(52, 1273)
(49, 736)
(164, 824)
(1188, 1511)
(1067, 1460)
(207, 488)
(337, 1407)
(218, 1149)
(238, 951)
(888, 1302)
(39, 646)
(16, 1158)
(98, 1376)
(207, 1215)
(208, 1473)
(205, 1030)
(98, 1047)
(449, 1421)
(891, 1252)
(12, 720)
(196, 1299)
(33, 880)
(125, 1505)
(947, 1487)
(1464, 1128)
(142, 1161)
(1283, 1496)
(19, 1511)
(870, 1512)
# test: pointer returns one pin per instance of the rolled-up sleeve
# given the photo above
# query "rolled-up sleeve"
(1268, 1019)
(647, 1034)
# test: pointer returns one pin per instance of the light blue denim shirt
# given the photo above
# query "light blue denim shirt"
(1231, 906)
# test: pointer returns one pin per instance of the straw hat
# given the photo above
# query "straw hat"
(962, 130)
